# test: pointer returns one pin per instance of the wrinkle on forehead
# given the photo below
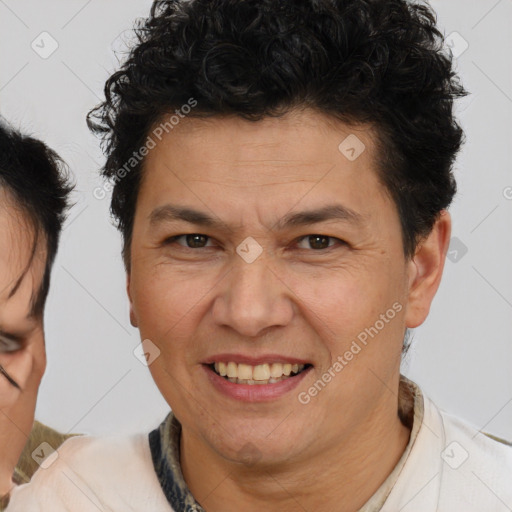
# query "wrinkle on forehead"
(260, 154)
(245, 182)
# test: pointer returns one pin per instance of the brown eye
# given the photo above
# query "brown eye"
(317, 242)
(192, 240)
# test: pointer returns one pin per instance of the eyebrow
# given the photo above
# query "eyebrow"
(170, 213)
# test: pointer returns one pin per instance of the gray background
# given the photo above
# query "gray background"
(461, 356)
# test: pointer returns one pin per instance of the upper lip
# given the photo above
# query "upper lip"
(254, 361)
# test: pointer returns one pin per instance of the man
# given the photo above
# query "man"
(281, 176)
(33, 198)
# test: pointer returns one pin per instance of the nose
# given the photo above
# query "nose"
(252, 299)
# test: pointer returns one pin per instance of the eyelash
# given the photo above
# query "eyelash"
(172, 240)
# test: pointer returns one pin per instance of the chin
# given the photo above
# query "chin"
(253, 447)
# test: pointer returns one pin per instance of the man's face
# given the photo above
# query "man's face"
(265, 281)
(21, 333)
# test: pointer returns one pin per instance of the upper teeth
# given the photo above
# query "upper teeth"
(258, 372)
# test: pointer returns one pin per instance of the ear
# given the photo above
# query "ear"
(426, 269)
(133, 316)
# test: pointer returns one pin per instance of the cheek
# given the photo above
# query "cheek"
(344, 301)
(166, 305)
(169, 304)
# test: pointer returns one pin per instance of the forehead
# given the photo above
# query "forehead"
(298, 138)
(21, 263)
(303, 157)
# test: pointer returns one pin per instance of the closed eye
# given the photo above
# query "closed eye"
(9, 344)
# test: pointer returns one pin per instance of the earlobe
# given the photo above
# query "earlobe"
(426, 270)
(133, 316)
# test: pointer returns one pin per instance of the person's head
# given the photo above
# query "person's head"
(234, 120)
(33, 199)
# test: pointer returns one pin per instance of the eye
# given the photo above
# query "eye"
(8, 344)
(192, 240)
(319, 242)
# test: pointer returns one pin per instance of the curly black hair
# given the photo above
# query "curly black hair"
(380, 62)
(38, 182)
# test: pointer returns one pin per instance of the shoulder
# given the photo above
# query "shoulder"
(483, 444)
(41, 439)
(452, 467)
(113, 451)
(475, 469)
(484, 449)
(95, 458)
(88, 473)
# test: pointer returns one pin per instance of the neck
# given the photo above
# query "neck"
(341, 477)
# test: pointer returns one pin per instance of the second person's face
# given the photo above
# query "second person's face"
(22, 267)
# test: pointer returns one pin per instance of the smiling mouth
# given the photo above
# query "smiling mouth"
(259, 374)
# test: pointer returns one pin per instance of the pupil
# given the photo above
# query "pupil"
(318, 241)
(196, 240)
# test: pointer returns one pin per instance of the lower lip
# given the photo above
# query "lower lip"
(255, 392)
